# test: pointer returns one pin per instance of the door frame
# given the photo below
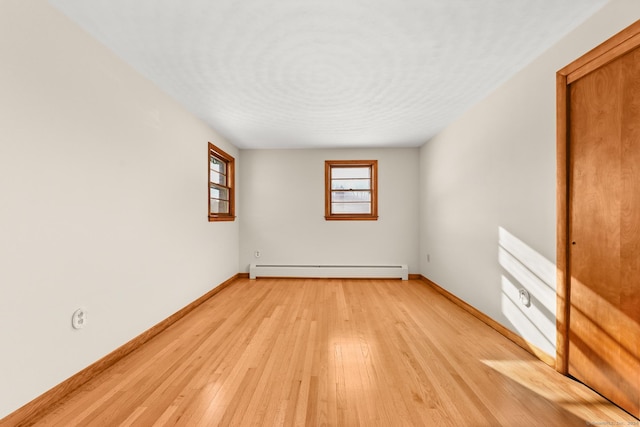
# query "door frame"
(621, 43)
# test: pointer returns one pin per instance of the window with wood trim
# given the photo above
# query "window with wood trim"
(351, 189)
(221, 185)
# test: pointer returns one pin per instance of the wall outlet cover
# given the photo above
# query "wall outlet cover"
(525, 298)
(79, 318)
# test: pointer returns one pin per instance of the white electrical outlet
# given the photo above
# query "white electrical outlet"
(257, 254)
(79, 318)
(525, 298)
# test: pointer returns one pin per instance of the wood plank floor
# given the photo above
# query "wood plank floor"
(331, 352)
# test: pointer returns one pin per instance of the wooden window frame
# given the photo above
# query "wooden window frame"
(328, 166)
(230, 162)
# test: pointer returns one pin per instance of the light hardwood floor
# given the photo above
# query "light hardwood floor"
(331, 352)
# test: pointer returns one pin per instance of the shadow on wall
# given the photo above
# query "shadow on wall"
(528, 276)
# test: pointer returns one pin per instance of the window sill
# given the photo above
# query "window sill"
(221, 218)
(351, 218)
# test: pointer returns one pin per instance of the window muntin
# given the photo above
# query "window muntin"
(351, 190)
(221, 182)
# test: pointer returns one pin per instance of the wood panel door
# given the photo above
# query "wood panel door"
(603, 234)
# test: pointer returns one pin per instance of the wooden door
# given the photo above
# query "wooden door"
(603, 231)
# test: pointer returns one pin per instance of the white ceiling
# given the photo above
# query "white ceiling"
(328, 73)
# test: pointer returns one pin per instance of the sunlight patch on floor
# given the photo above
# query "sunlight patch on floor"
(569, 394)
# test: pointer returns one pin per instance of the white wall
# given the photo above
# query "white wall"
(487, 206)
(103, 203)
(282, 203)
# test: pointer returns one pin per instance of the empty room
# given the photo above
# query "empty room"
(417, 213)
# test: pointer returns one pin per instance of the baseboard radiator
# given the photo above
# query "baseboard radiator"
(330, 271)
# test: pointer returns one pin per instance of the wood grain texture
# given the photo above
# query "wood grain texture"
(34, 409)
(605, 240)
(609, 50)
(330, 352)
(608, 56)
(600, 294)
(562, 224)
(594, 223)
(629, 308)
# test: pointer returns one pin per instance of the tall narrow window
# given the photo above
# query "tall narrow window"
(221, 185)
(351, 189)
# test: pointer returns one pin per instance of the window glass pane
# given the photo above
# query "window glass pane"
(351, 208)
(217, 165)
(217, 178)
(350, 196)
(219, 206)
(351, 184)
(219, 193)
(351, 172)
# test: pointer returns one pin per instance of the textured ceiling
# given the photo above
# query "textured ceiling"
(328, 73)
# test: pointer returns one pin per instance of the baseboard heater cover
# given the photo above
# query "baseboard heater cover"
(330, 271)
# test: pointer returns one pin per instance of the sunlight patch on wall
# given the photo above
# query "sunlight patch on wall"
(526, 269)
(530, 321)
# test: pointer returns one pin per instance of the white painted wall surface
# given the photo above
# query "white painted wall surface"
(487, 205)
(103, 203)
(282, 203)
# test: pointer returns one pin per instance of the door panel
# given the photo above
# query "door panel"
(630, 226)
(604, 230)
